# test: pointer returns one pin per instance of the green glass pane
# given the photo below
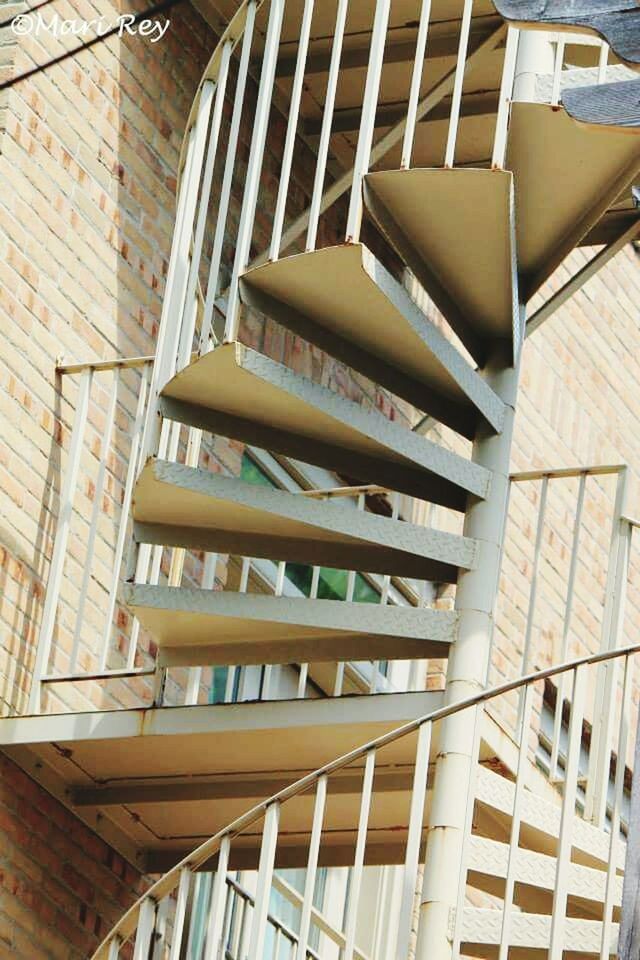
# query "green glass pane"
(250, 472)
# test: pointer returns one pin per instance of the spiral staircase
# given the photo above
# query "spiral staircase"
(481, 203)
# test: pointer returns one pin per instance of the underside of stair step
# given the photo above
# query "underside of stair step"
(181, 506)
(567, 175)
(455, 230)
(535, 879)
(530, 935)
(342, 299)
(244, 395)
(616, 21)
(194, 627)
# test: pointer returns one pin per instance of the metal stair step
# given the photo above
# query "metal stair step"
(481, 932)
(181, 506)
(562, 194)
(345, 301)
(535, 875)
(455, 230)
(193, 626)
(541, 822)
(243, 394)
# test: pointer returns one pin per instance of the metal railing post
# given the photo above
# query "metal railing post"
(52, 596)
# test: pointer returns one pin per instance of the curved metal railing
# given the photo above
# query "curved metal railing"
(139, 922)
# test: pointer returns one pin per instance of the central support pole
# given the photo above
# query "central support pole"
(467, 675)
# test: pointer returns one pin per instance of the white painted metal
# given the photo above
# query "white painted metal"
(614, 829)
(182, 898)
(414, 837)
(114, 949)
(265, 875)
(533, 589)
(327, 119)
(256, 154)
(56, 568)
(133, 467)
(312, 868)
(227, 180)
(467, 671)
(516, 819)
(358, 865)
(566, 627)
(603, 60)
(504, 103)
(105, 446)
(292, 129)
(416, 80)
(188, 320)
(367, 121)
(557, 71)
(563, 851)
(215, 926)
(612, 622)
(456, 98)
(144, 931)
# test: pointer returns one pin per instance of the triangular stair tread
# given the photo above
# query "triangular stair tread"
(193, 626)
(616, 21)
(482, 927)
(345, 301)
(541, 821)
(181, 506)
(488, 862)
(245, 395)
(562, 193)
(455, 230)
(605, 104)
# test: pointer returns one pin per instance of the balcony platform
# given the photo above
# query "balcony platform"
(155, 782)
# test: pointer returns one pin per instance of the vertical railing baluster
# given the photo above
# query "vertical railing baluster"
(557, 71)
(358, 865)
(56, 568)
(567, 817)
(533, 590)
(566, 627)
(105, 447)
(144, 931)
(414, 839)
(114, 949)
(368, 119)
(416, 80)
(612, 627)
(516, 819)
(603, 61)
(456, 96)
(182, 899)
(312, 868)
(213, 282)
(215, 925)
(327, 120)
(292, 130)
(504, 103)
(263, 883)
(616, 810)
(191, 297)
(256, 154)
(133, 468)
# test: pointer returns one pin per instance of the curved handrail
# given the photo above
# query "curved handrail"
(206, 850)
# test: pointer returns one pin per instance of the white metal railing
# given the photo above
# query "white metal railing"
(211, 250)
(172, 891)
